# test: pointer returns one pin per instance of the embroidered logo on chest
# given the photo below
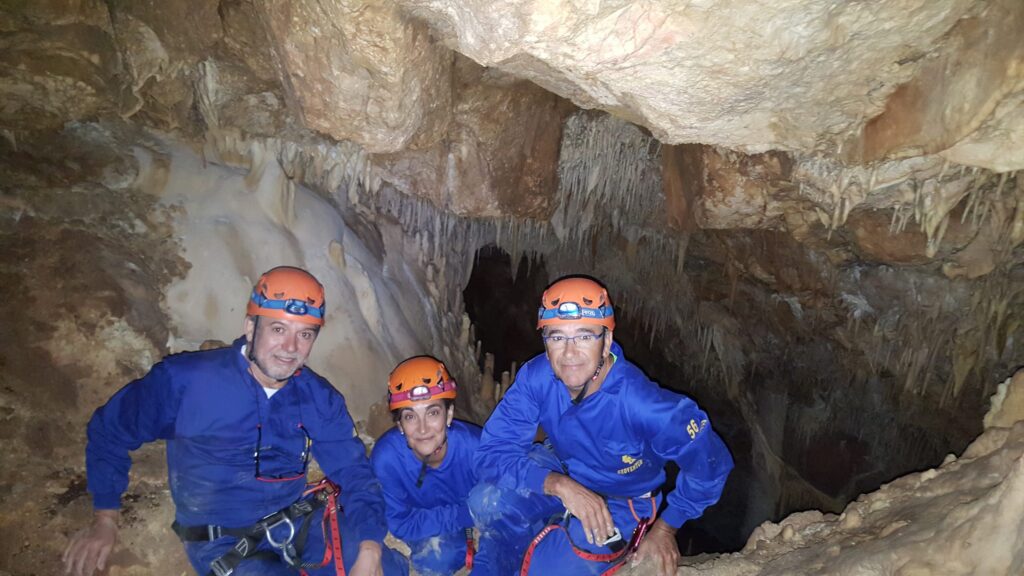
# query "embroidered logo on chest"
(632, 464)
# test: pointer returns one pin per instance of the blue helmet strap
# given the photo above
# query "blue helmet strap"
(291, 306)
(573, 311)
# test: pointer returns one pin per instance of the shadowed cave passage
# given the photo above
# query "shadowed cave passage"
(503, 309)
(503, 306)
(806, 435)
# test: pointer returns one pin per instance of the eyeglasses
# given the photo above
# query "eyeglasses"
(558, 341)
(280, 455)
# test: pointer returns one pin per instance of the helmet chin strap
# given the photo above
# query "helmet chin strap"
(583, 393)
(423, 468)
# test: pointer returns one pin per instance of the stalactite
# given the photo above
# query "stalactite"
(206, 88)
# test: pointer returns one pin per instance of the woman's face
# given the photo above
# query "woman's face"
(425, 426)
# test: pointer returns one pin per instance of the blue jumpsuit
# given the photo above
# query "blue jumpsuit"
(615, 442)
(215, 417)
(431, 517)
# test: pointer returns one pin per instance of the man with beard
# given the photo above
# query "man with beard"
(241, 424)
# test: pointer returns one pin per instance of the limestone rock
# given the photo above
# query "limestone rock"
(962, 518)
(999, 143)
(511, 131)
(51, 73)
(246, 41)
(359, 70)
(186, 29)
(740, 191)
(727, 72)
(955, 91)
(1007, 403)
(874, 239)
(500, 156)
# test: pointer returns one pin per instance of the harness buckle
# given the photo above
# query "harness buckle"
(213, 532)
(221, 568)
(301, 508)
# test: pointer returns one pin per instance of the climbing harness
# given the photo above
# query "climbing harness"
(620, 553)
(322, 494)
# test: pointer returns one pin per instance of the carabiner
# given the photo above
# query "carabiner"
(270, 537)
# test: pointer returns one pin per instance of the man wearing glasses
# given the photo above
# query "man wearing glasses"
(587, 500)
(241, 424)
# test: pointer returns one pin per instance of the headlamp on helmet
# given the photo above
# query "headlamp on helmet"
(573, 299)
(288, 293)
(419, 379)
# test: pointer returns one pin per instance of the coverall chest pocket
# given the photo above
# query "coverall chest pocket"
(623, 457)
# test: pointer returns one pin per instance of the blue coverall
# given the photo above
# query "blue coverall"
(616, 443)
(431, 515)
(215, 417)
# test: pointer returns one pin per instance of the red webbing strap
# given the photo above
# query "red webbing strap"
(470, 550)
(592, 557)
(331, 517)
(622, 555)
(332, 509)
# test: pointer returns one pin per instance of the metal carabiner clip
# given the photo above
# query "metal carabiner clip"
(270, 537)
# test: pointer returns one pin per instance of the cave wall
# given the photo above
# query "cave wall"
(859, 285)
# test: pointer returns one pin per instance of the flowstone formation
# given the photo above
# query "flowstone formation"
(807, 212)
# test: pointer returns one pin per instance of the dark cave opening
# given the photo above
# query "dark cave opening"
(503, 307)
(810, 436)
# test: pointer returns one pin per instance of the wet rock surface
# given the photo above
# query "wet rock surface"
(85, 261)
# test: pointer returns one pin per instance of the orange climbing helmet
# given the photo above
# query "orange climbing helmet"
(419, 379)
(576, 298)
(288, 293)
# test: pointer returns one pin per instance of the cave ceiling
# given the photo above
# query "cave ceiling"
(748, 159)
(872, 133)
(818, 192)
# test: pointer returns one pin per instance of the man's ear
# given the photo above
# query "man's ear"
(249, 327)
(451, 414)
(607, 343)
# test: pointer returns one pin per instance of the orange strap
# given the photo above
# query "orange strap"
(330, 517)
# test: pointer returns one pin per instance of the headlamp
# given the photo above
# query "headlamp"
(422, 392)
(291, 306)
(569, 311)
(297, 307)
(419, 393)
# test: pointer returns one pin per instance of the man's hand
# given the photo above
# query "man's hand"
(368, 561)
(590, 508)
(660, 545)
(89, 549)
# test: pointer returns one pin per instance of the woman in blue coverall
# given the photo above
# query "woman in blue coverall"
(425, 466)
